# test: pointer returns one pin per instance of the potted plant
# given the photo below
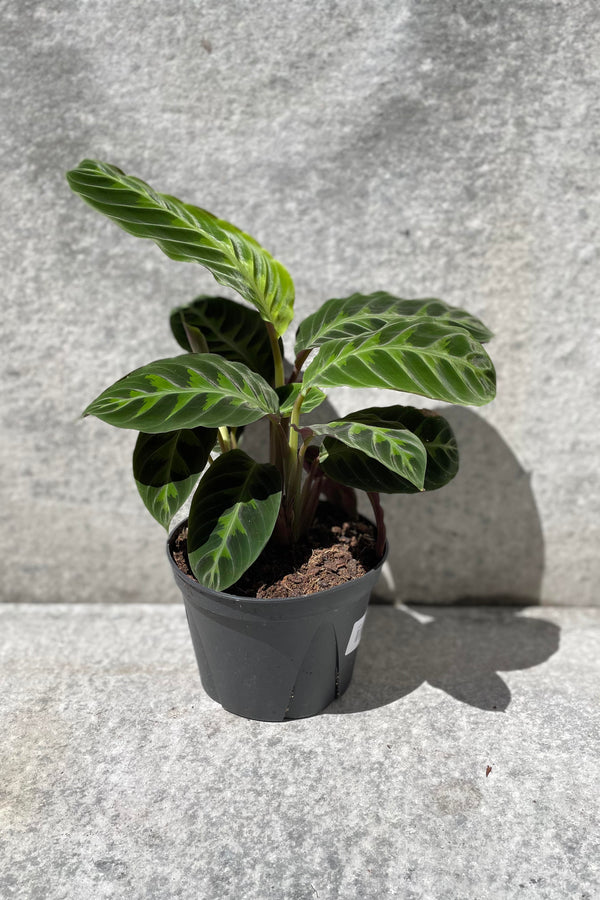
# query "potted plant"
(288, 656)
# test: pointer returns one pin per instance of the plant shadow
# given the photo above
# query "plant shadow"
(478, 540)
(460, 651)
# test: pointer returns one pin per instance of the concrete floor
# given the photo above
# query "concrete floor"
(121, 778)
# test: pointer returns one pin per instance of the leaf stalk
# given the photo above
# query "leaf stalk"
(224, 439)
(277, 357)
(298, 363)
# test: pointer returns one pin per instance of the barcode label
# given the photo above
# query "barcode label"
(356, 635)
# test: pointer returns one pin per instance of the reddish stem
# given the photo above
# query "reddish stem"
(378, 510)
(311, 491)
(298, 363)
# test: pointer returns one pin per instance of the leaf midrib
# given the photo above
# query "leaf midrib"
(190, 223)
(405, 454)
(403, 348)
(232, 509)
(212, 384)
(222, 336)
(388, 317)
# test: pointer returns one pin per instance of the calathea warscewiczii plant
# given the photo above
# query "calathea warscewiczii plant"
(190, 409)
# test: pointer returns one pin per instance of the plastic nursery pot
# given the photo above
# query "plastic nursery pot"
(275, 659)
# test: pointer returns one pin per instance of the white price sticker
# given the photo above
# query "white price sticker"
(356, 635)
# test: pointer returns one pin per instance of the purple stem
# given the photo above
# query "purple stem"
(378, 510)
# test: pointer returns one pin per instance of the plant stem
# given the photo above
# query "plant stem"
(277, 357)
(302, 452)
(295, 420)
(309, 497)
(378, 510)
(277, 431)
(299, 362)
(295, 468)
(278, 444)
(224, 441)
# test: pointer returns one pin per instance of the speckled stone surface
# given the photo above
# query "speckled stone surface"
(431, 149)
(121, 779)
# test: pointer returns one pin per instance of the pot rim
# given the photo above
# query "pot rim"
(216, 595)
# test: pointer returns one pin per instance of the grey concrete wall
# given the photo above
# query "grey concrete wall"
(432, 149)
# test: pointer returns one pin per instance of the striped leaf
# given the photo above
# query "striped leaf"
(353, 468)
(229, 329)
(183, 392)
(232, 517)
(190, 234)
(167, 466)
(428, 357)
(361, 314)
(396, 450)
(288, 394)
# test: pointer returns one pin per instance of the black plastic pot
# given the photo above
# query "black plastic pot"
(275, 659)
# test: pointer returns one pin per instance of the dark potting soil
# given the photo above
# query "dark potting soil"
(335, 551)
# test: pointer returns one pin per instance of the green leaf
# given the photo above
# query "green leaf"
(183, 392)
(232, 517)
(355, 469)
(359, 314)
(230, 330)
(166, 468)
(427, 357)
(288, 394)
(396, 449)
(191, 234)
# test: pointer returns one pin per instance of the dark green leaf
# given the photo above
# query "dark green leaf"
(230, 330)
(397, 450)
(191, 234)
(355, 469)
(183, 392)
(232, 517)
(167, 466)
(361, 314)
(427, 357)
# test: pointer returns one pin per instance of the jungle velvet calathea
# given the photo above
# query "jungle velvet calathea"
(191, 408)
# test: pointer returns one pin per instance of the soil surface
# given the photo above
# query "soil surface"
(335, 551)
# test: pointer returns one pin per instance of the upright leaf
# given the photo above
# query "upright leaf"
(230, 330)
(343, 319)
(167, 466)
(183, 392)
(190, 234)
(232, 517)
(427, 357)
(288, 394)
(395, 449)
(351, 467)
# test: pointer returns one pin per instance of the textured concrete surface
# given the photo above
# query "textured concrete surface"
(120, 778)
(446, 149)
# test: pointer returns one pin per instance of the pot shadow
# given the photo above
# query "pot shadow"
(458, 651)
